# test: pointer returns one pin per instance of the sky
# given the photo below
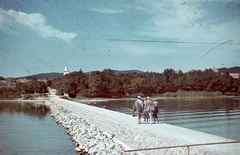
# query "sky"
(42, 36)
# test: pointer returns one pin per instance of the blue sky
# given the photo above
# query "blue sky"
(45, 36)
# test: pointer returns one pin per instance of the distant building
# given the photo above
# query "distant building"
(5, 84)
(44, 80)
(66, 71)
(234, 75)
(215, 70)
(22, 80)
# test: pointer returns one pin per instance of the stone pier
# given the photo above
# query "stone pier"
(124, 129)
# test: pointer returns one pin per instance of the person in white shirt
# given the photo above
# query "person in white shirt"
(149, 108)
(137, 107)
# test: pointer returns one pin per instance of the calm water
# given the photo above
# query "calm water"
(217, 116)
(28, 130)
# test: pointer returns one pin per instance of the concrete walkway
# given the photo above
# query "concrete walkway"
(164, 134)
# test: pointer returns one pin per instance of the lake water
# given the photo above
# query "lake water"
(27, 129)
(217, 116)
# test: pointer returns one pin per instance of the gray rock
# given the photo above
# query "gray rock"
(86, 136)
(77, 149)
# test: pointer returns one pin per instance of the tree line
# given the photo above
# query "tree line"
(31, 87)
(108, 84)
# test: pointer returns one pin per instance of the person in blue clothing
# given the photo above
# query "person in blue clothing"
(138, 107)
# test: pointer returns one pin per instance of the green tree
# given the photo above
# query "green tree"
(238, 83)
(168, 80)
(49, 83)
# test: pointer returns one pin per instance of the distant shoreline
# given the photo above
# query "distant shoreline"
(42, 100)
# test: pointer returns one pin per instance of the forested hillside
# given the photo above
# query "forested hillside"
(49, 76)
(231, 70)
(109, 84)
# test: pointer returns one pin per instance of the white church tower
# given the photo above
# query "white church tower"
(66, 71)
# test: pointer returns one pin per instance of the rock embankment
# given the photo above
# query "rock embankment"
(89, 125)
(88, 139)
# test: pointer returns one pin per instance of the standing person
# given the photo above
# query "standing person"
(137, 107)
(149, 108)
(146, 117)
(155, 112)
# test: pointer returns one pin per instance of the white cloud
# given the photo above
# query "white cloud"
(189, 22)
(37, 22)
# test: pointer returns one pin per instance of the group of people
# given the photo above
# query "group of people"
(148, 107)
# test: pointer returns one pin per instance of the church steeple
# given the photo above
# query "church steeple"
(66, 71)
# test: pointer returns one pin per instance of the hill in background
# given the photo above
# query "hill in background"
(54, 75)
(49, 76)
(231, 70)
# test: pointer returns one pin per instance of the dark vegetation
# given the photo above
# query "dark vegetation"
(110, 84)
(27, 89)
(171, 83)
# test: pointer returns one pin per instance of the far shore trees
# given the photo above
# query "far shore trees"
(108, 84)
(31, 87)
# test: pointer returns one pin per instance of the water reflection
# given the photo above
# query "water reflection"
(26, 108)
(27, 128)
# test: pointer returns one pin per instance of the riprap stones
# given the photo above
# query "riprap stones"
(87, 138)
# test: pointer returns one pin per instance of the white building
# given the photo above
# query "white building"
(234, 75)
(66, 71)
(215, 70)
